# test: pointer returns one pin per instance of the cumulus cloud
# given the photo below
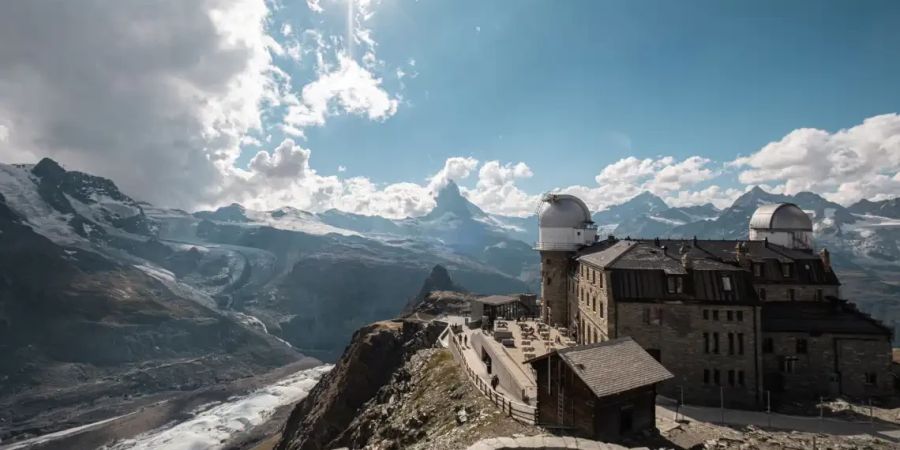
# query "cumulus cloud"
(845, 166)
(664, 176)
(156, 98)
(349, 88)
(287, 161)
(718, 196)
(455, 168)
(496, 191)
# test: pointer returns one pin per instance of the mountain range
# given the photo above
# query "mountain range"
(101, 292)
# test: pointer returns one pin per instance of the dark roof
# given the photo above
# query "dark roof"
(612, 367)
(604, 252)
(809, 267)
(497, 300)
(832, 316)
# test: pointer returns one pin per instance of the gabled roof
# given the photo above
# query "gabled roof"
(611, 367)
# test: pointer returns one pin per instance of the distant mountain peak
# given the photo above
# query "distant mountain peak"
(449, 199)
(48, 168)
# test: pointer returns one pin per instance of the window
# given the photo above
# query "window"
(762, 294)
(768, 345)
(871, 378)
(675, 284)
(653, 316)
(729, 315)
(792, 294)
(788, 364)
(726, 283)
(705, 342)
(600, 310)
(757, 270)
(705, 314)
(740, 341)
(593, 276)
(801, 346)
(549, 281)
(716, 378)
(787, 270)
(715, 314)
(740, 377)
(730, 343)
(740, 316)
(601, 280)
(705, 376)
(716, 343)
(731, 377)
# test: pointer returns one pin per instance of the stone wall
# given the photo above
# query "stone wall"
(590, 297)
(554, 287)
(674, 333)
(802, 292)
(831, 365)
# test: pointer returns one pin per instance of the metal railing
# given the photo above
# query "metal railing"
(518, 411)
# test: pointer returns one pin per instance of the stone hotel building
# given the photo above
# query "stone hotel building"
(727, 318)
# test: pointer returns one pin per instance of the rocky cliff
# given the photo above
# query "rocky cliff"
(375, 353)
(392, 390)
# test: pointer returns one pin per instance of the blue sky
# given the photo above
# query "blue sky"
(569, 87)
(276, 103)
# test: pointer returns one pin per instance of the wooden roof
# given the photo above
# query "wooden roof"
(611, 367)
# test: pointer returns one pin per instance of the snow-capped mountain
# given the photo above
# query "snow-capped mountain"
(309, 278)
(643, 203)
(885, 208)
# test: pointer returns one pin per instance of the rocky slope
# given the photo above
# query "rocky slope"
(310, 279)
(374, 355)
(84, 336)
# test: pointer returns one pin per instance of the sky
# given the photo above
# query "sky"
(371, 106)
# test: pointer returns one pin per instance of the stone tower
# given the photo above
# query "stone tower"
(565, 225)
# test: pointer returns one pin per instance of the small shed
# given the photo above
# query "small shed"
(505, 306)
(602, 391)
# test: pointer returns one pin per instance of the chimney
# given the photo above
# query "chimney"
(742, 259)
(766, 242)
(687, 262)
(656, 242)
(665, 250)
(826, 259)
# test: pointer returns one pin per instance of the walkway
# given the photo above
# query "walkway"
(666, 408)
(474, 368)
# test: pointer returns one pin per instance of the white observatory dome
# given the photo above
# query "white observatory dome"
(563, 211)
(565, 223)
(783, 224)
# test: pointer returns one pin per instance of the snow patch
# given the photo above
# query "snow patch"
(19, 188)
(212, 428)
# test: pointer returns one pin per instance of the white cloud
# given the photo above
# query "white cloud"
(342, 168)
(456, 168)
(664, 176)
(496, 191)
(314, 6)
(845, 166)
(110, 87)
(348, 89)
(721, 198)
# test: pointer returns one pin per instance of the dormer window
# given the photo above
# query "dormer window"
(757, 270)
(787, 270)
(726, 283)
(675, 284)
